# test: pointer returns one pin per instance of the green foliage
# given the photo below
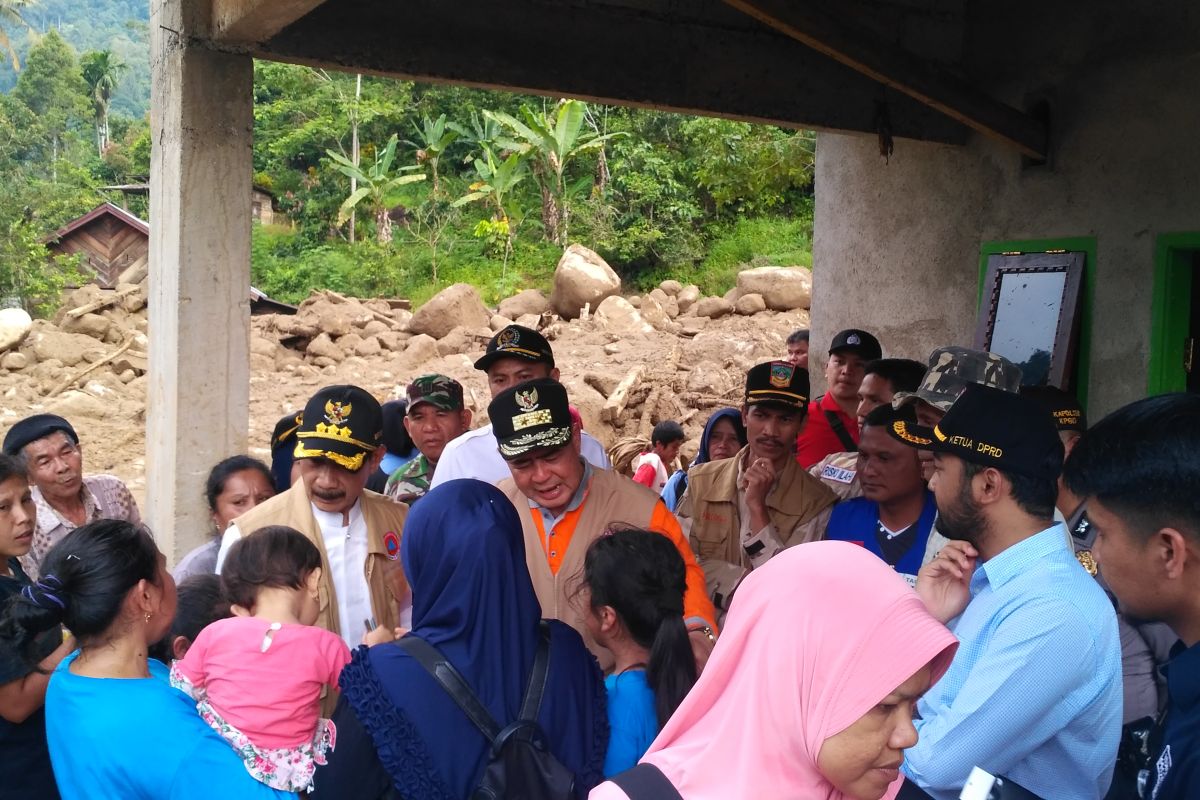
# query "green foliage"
(10, 17)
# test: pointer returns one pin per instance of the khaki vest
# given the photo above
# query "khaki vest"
(611, 499)
(711, 502)
(384, 576)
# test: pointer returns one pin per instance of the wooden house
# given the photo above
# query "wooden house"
(110, 239)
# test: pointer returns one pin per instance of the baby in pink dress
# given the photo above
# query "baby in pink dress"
(258, 676)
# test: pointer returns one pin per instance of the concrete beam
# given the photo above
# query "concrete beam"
(810, 24)
(250, 21)
(688, 58)
(200, 178)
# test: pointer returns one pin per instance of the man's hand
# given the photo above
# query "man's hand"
(944, 584)
(382, 635)
(757, 481)
(702, 647)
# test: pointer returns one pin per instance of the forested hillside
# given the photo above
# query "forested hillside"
(393, 188)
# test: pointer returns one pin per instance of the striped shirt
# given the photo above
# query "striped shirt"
(1034, 692)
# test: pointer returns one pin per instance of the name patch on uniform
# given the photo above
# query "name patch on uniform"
(838, 474)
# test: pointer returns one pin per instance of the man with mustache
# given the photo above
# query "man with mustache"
(1034, 691)
(436, 415)
(741, 511)
(65, 498)
(565, 503)
(339, 444)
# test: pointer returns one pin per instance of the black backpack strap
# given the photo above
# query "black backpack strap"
(537, 677)
(445, 674)
(646, 782)
(839, 430)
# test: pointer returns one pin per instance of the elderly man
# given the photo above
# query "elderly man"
(565, 503)
(65, 498)
(514, 355)
(1034, 692)
(436, 415)
(741, 511)
(338, 446)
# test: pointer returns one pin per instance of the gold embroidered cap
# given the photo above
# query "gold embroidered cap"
(531, 416)
(341, 423)
(516, 341)
(779, 383)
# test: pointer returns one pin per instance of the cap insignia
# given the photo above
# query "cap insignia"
(508, 338)
(781, 375)
(526, 399)
(337, 412)
(853, 339)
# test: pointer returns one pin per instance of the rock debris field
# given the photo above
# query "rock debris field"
(627, 361)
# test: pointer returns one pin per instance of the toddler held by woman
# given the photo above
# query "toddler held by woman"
(257, 676)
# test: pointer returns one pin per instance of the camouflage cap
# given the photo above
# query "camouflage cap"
(951, 369)
(440, 391)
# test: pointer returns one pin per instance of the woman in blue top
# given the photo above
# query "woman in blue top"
(114, 725)
(724, 435)
(634, 581)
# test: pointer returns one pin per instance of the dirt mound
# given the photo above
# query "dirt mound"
(625, 368)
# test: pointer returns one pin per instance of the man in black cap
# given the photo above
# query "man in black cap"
(565, 504)
(514, 355)
(65, 498)
(339, 444)
(832, 426)
(1034, 691)
(741, 511)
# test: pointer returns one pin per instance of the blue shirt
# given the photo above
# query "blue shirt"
(632, 720)
(857, 520)
(1034, 692)
(1175, 771)
(138, 739)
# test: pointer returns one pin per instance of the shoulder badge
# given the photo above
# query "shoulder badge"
(391, 545)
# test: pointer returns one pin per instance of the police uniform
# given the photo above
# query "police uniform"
(410, 483)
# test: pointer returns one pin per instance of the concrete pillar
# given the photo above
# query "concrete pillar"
(200, 179)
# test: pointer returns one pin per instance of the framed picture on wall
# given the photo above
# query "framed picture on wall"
(1030, 314)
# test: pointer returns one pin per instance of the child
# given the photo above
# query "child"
(257, 676)
(25, 661)
(200, 602)
(650, 468)
(635, 580)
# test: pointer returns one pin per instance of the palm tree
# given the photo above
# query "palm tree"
(10, 16)
(100, 70)
(374, 183)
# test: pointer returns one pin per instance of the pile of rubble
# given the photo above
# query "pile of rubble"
(628, 361)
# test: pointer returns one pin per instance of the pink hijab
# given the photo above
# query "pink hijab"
(814, 639)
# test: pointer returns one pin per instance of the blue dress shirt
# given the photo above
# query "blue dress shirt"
(1034, 692)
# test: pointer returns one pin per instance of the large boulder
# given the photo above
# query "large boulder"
(47, 343)
(420, 348)
(655, 314)
(453, 306)
(782, 288)
(688, 297)
(14, 324)
(617, 316)
(749, 304)
(713, 307)
(324, 347)
(671, 287)
(335, 318)
(581, 277)
(530, 301)
(92, 325)
(708, 377)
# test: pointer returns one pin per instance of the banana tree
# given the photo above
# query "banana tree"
(375, 183)
(551, 141)
(433, 137)
(496, 182)
(10, 17)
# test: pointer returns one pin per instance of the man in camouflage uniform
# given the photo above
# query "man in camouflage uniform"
(436, 415)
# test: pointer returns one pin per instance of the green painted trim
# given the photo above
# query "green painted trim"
(1074, 244)
(1170, 311)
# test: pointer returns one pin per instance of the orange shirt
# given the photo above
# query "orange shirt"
(696, 603)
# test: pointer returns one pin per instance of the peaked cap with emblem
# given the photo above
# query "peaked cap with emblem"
(993, 428)
(531, 416)
(779, 383)
(341, 423)
(516, 341)
(857, 341)
(952, 369)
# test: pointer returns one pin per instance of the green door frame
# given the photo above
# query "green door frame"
(1073, 244)
(1170, 311)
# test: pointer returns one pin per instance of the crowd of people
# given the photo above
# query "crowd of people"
(927, 577)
